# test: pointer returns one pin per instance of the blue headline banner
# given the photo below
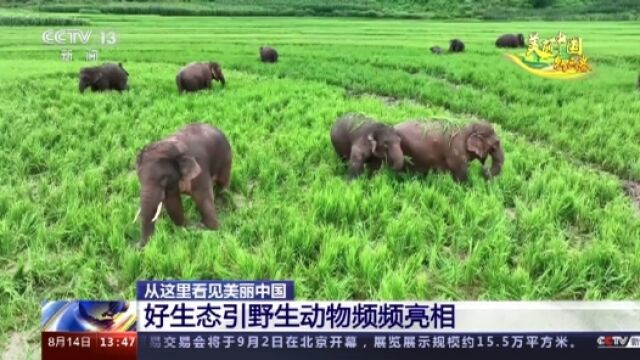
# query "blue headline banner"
(293, 315)
(184, 290)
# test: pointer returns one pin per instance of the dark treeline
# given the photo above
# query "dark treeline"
(421, 9)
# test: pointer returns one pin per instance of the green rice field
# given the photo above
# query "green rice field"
(561, 222)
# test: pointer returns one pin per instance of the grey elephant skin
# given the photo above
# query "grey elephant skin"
(439, 146)
(199, 76)
(456, 46)
(108, 76)
(268, 54)
(189, 162)
(362, 141)
(436, 50)
(510, 41)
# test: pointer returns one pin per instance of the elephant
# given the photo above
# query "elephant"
(268, 54)
(436, 50)
(362, 141)
(510, 41)
(439, 146)
(108, 76)
(198, 76)
(456, 45)
(187, 162)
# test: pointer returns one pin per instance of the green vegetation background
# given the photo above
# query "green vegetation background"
(439, 9)
(557, 224)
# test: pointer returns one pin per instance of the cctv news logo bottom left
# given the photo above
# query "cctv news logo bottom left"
(619, 342)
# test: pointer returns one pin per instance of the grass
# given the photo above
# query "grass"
(555, 225)
(25, 18)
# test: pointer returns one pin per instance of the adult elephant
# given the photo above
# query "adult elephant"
(361, 141)
(438, 146)
(510, 41)
(268, 54)
(108, 76)
(188, 162)
(198, 76)
(456, 45)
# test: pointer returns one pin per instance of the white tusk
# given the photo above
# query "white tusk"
(136, 217)
(155, 217)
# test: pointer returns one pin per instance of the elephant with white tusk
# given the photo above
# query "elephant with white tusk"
(188, 162)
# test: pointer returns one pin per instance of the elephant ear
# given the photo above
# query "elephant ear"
(215, 69)
(216, 72)
(476, 145)
(97, 77)
(189, 168)
(187, 165)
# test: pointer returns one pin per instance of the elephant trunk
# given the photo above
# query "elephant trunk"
(82, 87)
(150, 208)
(497, 160)
(218, 75)
(396, 157)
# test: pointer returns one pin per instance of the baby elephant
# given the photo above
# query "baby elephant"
(198, 76)
(268, 54)
(188, 162)
(436, 50)
(361, 140)
(456, 45)
(435, 146)
(108, 76)
(510, 41)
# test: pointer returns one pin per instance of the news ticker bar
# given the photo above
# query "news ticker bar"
(161, 346)
(245, 319)
(371, 316)
(388, 341)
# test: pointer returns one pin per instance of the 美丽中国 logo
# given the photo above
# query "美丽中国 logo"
(559, 57)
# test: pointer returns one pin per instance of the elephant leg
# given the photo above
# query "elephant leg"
(459, 168)
(173, 204)
(357, 160)
(203, 196)
(223, 179)
(460, 174)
